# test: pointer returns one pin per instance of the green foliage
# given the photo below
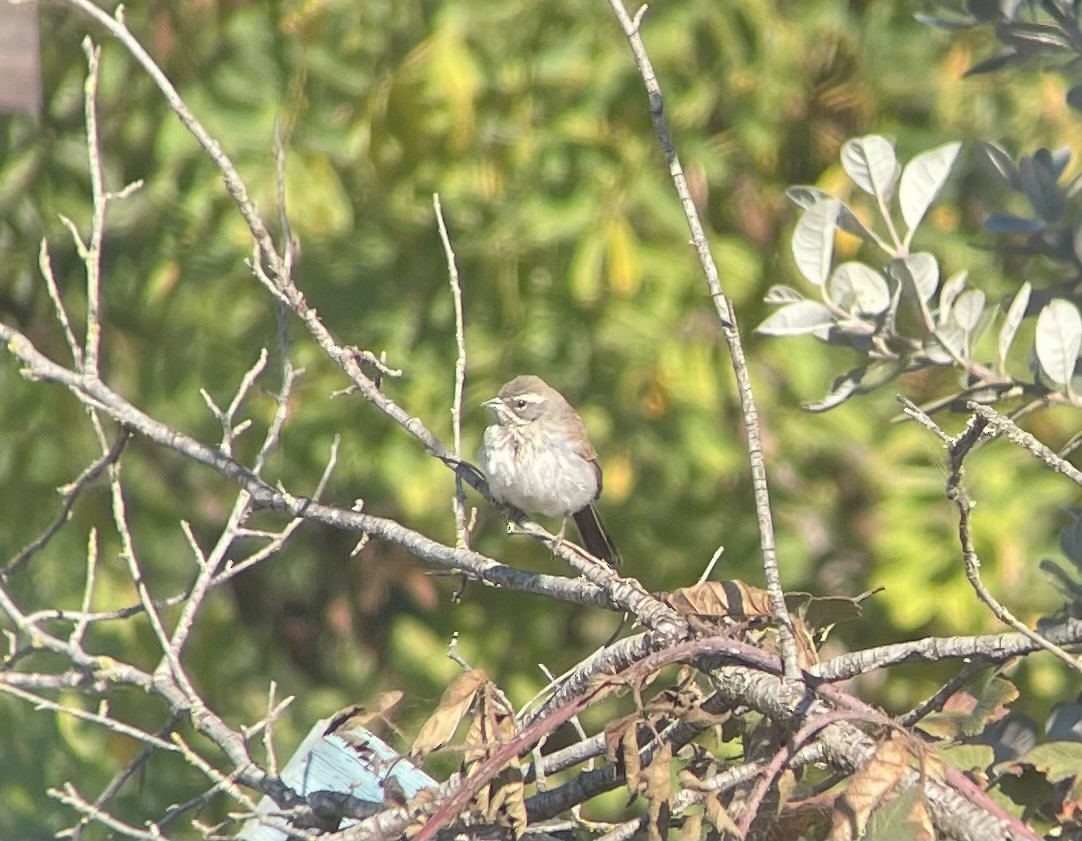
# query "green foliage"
(531, 123)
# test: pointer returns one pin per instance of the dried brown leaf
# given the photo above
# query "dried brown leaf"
(870, 787)
(718, 599)
(719, 817)
(507, 802)
(629, 752)
(737, 601)
(920, 817)
(693, 826)
(361, 715)
(500, 800)
(657, 788)
(454, 704)
(966, 714)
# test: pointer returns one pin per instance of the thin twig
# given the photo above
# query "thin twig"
(123, 775)
(97, 223)
(228, 781)
(82, 623)
(70, 493)
(1000, 425)
(462, 535)
(935, 702)
(959, 449)
(102, 719)
(727, 316)
(70, 796)
(45, 265)
(710, 566)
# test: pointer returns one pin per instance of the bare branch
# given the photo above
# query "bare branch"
(731, 333)
(459, 503)
(70, 493)
(46, 267)
(92, 258)
(102, 719)
(958, 450)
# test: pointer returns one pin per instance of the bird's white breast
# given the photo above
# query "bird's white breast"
(541, 477)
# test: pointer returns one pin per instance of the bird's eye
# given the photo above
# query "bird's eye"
(520, 404)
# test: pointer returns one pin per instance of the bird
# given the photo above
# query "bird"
(537, 457)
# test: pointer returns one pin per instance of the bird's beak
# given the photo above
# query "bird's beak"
(493, 404)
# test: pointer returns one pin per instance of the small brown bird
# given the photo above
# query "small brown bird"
(538, 457)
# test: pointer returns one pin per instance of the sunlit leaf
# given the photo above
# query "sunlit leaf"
(795, 319)
(1059, 335)
(948, 343)
(951, 289)
(1015, 313)
(922, 179)
(859, 288)
(805, 196)
(918, 273)
(454, 704)
(624, 266)
(781, 294)
(870, 787)
(870, 161)
(968, 309)
(585, 271)
(813, 240)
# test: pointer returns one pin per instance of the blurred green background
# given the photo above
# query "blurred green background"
(531, 123)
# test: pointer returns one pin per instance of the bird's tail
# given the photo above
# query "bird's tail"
(595, 537)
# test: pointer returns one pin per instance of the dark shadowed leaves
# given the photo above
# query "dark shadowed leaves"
(858, 381)
(1039, 173)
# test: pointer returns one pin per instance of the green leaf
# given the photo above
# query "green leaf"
(969, 757)
(918, 273)
(1039, 176)
(782, 294)
(813, 240)
(871, 163)
(856, 287)
(858, 381)
(795, 319)
(1056, 760)
(1070, 537)
(968, 309)
(897, 817)
(1059, 335)
(586, 269)
(922, 179)
(1015, 313)
(952, 288)
(1000, 165)
(805, 196)
(949, 337)
(967, 712)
